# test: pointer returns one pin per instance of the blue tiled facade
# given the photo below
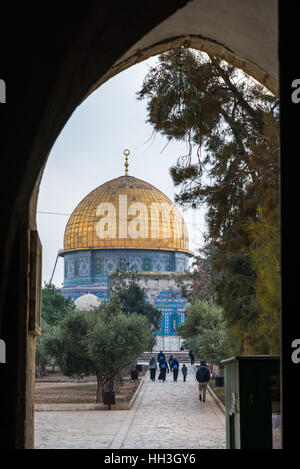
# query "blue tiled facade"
(172, 306)
(87, 271)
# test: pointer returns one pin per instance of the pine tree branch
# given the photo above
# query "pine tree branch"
(238, 94)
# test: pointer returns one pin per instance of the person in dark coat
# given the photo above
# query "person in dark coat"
(203, 377)
(161, 357)
(152, 368)
(175, 369)
(171, 360)
(184, 372)
(163, 370)
(175, 361)
(192, 357)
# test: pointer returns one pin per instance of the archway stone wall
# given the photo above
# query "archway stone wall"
(57, 55)
(245, 34)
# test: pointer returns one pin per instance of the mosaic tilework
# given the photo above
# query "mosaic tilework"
(88, 272)
(110, 265)
(76, 267)
(71, 268)
(123, 264)
(172, 305)
(83, 266)
(89, 264)
(168, 265)
(97, 266)
(146, 264)
(135, 263)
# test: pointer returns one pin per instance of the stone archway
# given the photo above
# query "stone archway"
(203, 25)
(64, 54)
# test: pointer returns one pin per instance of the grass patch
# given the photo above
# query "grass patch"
(59, 389)
(219, 392)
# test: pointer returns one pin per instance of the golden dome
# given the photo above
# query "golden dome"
(126, 213)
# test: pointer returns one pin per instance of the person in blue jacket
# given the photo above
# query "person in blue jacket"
(163, 370)
(203, 377)
(171, 360)
(161, 357)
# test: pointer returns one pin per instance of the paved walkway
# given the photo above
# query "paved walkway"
(165, 415)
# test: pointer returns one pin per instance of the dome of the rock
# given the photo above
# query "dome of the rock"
(126, 213)
(127, 225)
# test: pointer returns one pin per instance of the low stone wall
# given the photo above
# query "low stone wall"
(217, 400)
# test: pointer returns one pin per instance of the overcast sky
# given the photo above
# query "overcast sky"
(89, 152)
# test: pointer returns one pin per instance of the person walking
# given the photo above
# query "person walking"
(184, 372)
(175, 361)
(192, 356)
(203, 377)
(171, 360)
(175, 369)
(161, 357)
(152, 368)
(163, 370)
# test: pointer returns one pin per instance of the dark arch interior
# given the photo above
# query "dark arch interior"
(58, 53)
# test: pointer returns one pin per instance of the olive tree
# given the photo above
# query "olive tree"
(99, 342)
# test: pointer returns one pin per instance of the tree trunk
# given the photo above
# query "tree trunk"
(246, 106)
(99, 392)
(108, 385)
(119, 377)
(104, 385)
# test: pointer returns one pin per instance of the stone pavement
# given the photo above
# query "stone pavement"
(165, 415)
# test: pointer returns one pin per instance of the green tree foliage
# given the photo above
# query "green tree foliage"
(132, 300)
(264, 253)
(99, 342)
(235, 292)
(131, 297)
(230, 124)
(205, 332)
(230, 120)
(54, 305)
(42, 357)
(201, 275)
(65, 344)
(54, 308)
